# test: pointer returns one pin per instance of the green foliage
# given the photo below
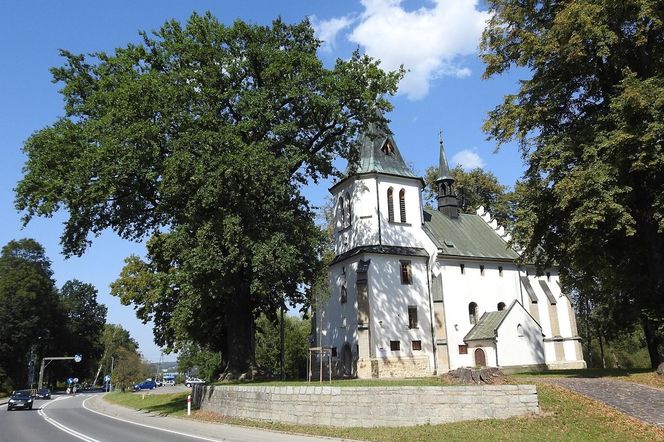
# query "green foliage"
(207, 364)
(474, 188)
(85, 324)
(29, 310)
(201, 137)
(590, 124)
(128, 369)
(296, 345)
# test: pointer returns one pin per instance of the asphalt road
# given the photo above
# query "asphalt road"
(76, 418)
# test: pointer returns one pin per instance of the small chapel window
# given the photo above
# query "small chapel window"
(548, 276)
(412, 316)
(388, 148)
(395, 345)
(500, 270)
(334, 352)
(390, 205)
(349, 212)
(472, 313)
(482, 270)
(463, 349)
(501, 306)
(342, 212)
(519, 330)
(416, 345)
(402, 205)
(406, 273)
(344, 294)
(463, 268)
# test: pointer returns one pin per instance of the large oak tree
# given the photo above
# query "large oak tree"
(200, 138)
(590, 120)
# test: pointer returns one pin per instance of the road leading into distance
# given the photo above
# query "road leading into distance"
(87, 417)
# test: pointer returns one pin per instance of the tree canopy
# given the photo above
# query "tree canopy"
(29, 311)
(200, 138)
(590, 122)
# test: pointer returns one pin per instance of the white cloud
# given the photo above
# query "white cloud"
(467, 159)
(429, 42)
(327, 30)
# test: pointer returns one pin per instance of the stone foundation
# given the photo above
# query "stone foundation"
(368, 406)
(393, 368)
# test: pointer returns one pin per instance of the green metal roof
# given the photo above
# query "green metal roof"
(381, 250)
(466, 236)
(373, 158)
(486, 326)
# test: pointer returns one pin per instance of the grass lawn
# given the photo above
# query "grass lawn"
(173, 404)
(565, 416)
(639, 376)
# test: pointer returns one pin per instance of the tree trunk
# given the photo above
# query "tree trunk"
(601, 348)
(239, 332)
(653, 342)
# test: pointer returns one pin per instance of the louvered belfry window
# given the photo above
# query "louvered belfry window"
(402, 205)
(390, 205)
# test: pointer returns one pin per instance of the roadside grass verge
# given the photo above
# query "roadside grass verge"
(172, 404)
(565, 416)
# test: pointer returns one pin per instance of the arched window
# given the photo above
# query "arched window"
(390, 205)
(342, 212)
(349, 212)
(344, 294)
(501, 306)
(402, 205)
(472, 313)
(519, 330)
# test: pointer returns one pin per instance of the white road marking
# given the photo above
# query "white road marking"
(145, 425)
(62, 427)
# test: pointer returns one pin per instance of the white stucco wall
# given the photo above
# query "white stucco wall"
(389, 300)
(519, 350)
(459, 290)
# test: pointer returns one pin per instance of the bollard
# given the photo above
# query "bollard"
(189, 405)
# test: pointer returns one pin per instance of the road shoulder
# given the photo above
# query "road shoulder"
(202, 430)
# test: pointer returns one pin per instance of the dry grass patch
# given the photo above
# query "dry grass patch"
(651, 379)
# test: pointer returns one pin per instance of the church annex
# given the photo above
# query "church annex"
(417, 291)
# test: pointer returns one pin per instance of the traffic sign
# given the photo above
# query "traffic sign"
(75, 379)
(77, 358)
(107, 378)
(70, 380)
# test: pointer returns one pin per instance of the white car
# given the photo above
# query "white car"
(193, 381)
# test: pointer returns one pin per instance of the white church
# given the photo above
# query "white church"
(417, 291)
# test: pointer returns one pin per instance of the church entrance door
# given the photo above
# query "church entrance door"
(480, 358)
(347, 360)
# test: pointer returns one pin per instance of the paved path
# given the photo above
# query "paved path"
(639, 401)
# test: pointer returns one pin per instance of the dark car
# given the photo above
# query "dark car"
(20, 399)
(145, 385)
(43, 393)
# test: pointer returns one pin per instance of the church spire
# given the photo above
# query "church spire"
(447, 200)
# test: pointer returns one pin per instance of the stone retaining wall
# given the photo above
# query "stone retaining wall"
(368, 406)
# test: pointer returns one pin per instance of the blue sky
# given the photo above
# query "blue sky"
(436, 40)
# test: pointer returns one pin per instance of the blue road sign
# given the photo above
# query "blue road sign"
(70, 381)
(107, 378)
